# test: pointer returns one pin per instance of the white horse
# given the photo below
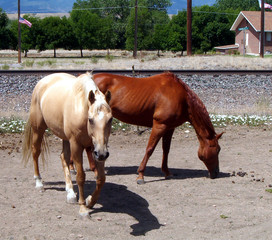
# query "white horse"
(76, 111)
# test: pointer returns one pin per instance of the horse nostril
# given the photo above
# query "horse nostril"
(96, 154)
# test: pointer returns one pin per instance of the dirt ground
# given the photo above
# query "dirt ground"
(189, 206)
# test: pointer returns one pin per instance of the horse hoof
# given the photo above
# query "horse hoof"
(84, 212)
(170, 176)
(40, 188)
(72, 200)
(140, 181)
(73, 172)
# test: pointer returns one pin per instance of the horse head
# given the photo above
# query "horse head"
(99, 123)
(208, 153)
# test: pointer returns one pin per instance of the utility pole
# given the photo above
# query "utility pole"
(262, 31)
(19, 34)
(189, 27)
(135, 30)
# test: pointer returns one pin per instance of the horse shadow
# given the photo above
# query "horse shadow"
(116, 198)
(177, 173)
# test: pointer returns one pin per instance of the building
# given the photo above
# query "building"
(247, 27)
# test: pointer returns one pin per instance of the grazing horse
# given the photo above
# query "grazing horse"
(76, 111)
(162, 102)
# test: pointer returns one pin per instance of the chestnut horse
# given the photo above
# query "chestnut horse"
(162, 102)
(75, 110)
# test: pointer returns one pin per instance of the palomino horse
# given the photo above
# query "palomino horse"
(162, 102)
(76, 111)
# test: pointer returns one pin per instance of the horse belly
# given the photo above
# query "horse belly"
(53, 114)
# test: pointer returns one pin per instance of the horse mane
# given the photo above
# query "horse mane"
(84, 85)
(197, 111)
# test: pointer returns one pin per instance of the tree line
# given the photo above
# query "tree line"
(110, 24)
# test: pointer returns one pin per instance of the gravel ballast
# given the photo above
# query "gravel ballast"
(222, 94)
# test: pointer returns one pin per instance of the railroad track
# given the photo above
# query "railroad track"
(139, 72)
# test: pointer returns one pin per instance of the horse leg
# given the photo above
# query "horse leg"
(100, 180)
(157, 132)
(76, 154)
(37, 138)
(71, 167)
(166, 142)
(65, 160)
(91, 160)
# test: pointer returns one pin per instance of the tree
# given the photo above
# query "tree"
(150, 13)
(28, 35)
(6, 35)
(92, 31)
(57, 33)
(178, 32)
(160, 38)
(116, 11)
(245, 5)
(211, 28)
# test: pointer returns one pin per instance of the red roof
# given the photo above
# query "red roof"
(254, 19)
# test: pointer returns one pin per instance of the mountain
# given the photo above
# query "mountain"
(42, 6)
(61, 6)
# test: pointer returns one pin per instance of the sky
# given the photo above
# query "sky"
(55, 6)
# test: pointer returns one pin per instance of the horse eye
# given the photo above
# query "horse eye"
(91, 121)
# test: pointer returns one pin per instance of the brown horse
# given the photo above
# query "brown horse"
(76, 111)
(162, 102)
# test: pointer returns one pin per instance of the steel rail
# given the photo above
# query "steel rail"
(139, 72)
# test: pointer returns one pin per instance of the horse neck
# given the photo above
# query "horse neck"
(199, 117)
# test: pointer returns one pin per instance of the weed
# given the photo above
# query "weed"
(109, 58)
(5, 67)
(94, 60)
(47, 62)
(29, 63)
(41, 64)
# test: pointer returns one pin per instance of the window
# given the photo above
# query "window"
(268, 36)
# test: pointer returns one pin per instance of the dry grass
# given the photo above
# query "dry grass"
(98, 59)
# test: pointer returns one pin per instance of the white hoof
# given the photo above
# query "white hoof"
(39, 184)
(40, 188)
(71, 196)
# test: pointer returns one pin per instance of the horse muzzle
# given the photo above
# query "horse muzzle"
(214, 174)
(101, 156)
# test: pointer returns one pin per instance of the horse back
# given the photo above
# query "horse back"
(140, 101)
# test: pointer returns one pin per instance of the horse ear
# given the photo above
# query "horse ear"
(218, 136)
(108, 96)
(91, 97)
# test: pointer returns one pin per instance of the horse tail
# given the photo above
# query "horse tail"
(27, 144)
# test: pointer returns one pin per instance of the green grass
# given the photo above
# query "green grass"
(48, 62)
(29, 63)
(5, 67)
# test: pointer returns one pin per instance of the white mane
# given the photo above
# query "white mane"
(87, 85)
